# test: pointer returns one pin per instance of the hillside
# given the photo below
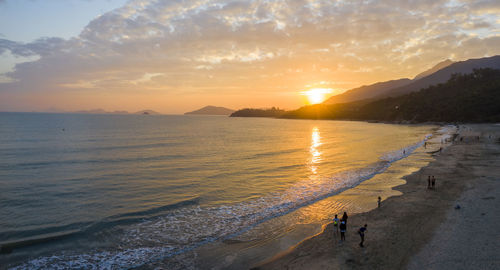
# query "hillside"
(366, 91)
(434, 69)
(443, 75)
(440, 73)
(472, 97)
(212, 110)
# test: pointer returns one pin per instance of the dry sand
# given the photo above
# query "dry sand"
(422, 229)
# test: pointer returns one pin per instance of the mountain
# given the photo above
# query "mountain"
(441, 76)
(366, 91)
(212, 110)
(147, 112)
(472, 97)
(440, 73)
(435, 68)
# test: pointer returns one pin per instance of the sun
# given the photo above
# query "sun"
(316, 95)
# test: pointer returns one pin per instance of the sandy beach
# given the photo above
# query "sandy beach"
(450, 227)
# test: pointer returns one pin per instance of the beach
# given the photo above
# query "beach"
(449, 227)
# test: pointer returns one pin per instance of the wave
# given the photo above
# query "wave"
(19, 239)
(90, 148)
(36, 165)
(275, 153)
(8, 247)
(405, 151)
(172, 231)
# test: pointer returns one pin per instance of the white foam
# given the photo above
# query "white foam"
(98, 260)
(404, 152)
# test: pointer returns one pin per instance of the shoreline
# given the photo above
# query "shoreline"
(405, 224)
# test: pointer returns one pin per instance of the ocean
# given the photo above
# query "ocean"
(80, 191)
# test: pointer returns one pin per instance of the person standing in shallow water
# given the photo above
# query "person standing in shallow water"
(378, 201)
(361, 232)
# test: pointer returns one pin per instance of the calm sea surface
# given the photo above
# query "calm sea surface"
(123, 191)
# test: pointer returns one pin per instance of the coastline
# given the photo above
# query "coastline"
(405, 226)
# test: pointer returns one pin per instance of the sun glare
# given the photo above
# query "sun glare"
(316, 95)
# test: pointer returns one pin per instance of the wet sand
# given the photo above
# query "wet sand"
(422, 229)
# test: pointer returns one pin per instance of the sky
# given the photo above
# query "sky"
(175, 56)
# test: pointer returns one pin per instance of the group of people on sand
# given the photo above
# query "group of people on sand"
(431, 182)
(341, 225)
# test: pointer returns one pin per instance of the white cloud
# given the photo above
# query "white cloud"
(212, 44)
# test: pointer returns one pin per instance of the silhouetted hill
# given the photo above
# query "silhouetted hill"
(212, 110)
(443, 75)
(273, 112)
(93, 111)
(440, 73)
(147, 112)
(119, 112)
(435, 68)
(472, 97)
(100, 111)
(366, 91)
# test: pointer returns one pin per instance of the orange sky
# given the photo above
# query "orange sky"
(174, 58)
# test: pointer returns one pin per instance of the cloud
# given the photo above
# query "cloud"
(225, 47)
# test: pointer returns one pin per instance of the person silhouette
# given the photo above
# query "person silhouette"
(344, 217)
(336, 222)
(343, 228)
(361, 232)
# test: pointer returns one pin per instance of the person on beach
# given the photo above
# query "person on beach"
(336, 221)
(378, 201)
(361, 232)
(433, 182)
(343, 228)
(344, 217)
(429, 182)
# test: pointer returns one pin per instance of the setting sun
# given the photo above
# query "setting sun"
(316, 95)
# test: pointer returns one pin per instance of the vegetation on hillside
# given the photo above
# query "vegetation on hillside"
(273, 112)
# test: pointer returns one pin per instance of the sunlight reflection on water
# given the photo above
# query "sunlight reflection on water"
(314, 150)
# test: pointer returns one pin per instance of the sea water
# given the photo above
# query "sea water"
(124, 191)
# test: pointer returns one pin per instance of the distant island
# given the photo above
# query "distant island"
(211, 110)
(101, 111)
(147, 112)
(273, 112)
